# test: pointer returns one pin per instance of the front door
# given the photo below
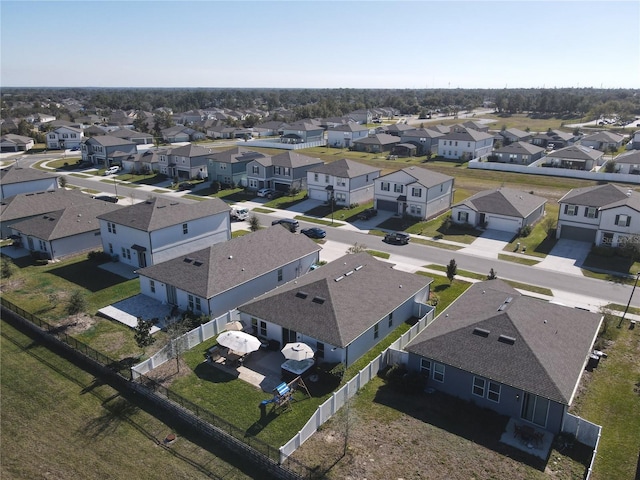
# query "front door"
(482, 219)
(172, 296)
(142, 259)
(535, 409)
(289, 336)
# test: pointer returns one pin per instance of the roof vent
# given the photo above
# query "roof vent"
(348, 273)
(319, 300)
(339, 278)
(481, 332)
(188, 260)
(358, 267)
(197, 263)
(302, 294)
(506, 339)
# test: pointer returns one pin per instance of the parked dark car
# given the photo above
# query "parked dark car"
(107, 198)
(314, 232)
(291, 224)
(397, 238)
(185, 186)
(367, 214)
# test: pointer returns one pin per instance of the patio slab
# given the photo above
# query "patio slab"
(127, 311)
(538, 449)
(260, 368)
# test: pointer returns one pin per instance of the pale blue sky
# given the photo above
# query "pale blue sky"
(321, 44)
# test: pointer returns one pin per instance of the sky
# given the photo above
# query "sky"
(394, 44)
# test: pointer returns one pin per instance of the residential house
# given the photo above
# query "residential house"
(425, 139)
(99, 150)
(271, 128)
(229, 167)
(503, 209)
(302, 132)
(363, 116)
(64, 137)
(15, 180)
(58, 234)
(465, 144)
(139, 138)
(414, 191)
(520, 153)
(147, 161)
(281, 172)
(345, 181)
(179, 133)
(342, 309)
(28, 205)
(377, 143)
(93, 130)
(575, 157)
(517, 355)
(343, 136)
(16, 143)
(628, 162)
(554, 138)
(603, 141)
(513, 135)
(185, 162)
(398, 129)
(160, 229)
(473, 125)
(605, 215)
(635, 140)
(223, 276)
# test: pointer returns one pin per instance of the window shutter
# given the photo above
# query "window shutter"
(566, 209)
(628, 221)
(597, 212)
(617, 219)
(586, 211)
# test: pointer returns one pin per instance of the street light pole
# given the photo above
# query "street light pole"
(629, 302)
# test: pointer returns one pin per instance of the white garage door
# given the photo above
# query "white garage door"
(504, 224)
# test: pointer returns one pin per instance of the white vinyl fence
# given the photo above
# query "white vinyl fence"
(185, 342)
(586, 433)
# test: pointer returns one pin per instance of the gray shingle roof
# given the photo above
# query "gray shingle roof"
(422, 132)
(73, 220)
(162, 212)
(467, 135)
(576, 152)
(504, 201)
(190, 150)
(551, 344)
(378, 139)
(337, 312)
(289, 159)
(15, 174)
(344, 168)
(349, 127)
(227, 265)
(236, 155)
(608, 137)
(28, 204)
(603, 196)
(108, 141)
(632, 157)
(520, 148)
(424, 176)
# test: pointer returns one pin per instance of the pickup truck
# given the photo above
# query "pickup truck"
(239, 214)
(367, 214)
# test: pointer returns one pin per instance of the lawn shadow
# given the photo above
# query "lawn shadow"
(458, 417)
(86, 274)
(212, 373)
(546, 245)
(151, 180)
(118, 410)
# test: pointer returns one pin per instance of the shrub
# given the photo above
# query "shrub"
(6, 268)
(98, 256)
(400, 378)
(446, 223)
(525, 231)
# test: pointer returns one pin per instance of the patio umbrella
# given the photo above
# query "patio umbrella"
(240, 342)
(234, 326)
(297, 351)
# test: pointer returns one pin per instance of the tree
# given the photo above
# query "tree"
(452, 270)
(142, 333)
(76, 303)
(254, 223)
(178, 344)
(492, 275)
(6, 268)
(357, 248)
(62, 181)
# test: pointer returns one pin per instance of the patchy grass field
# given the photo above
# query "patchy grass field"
(73, 426)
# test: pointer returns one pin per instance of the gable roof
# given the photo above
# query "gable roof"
(16, 139)
(378, 139)
(73, 220)
(504, 201)
(339, 301)
(422, 132)
(467, 134)
(576, 152)
(190, 150)
(515, 132)
(349, 127)
(289, 159)
(524, 342)
(344, 168)
(13, 174)
(162, 212)
(520, 148)
(226, 265)
(608, 137)
(108, 141)
(603, 196)
(29, 204)
(236, 155)
(423, 176)
(631, 157)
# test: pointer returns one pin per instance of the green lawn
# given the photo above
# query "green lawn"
(519, 260)
(58, 421)
(612, 400)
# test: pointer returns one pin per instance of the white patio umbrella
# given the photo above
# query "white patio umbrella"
(240, 342)
(236, 325)
(297, 351)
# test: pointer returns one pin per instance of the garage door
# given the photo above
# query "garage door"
(387, 205)
(578, 233)
(504, 224)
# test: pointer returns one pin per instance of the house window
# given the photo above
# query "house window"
(463, 217)
(126, 253)
(315, 177)
(43, 246)
(398, 188)
(279, 274)
(384, 186)
(111, 248)
(319, 350)
(111, 227)
(65, 135)
(340, 197)
(415, 210)
(607, 238)
(469, 144)
(623, 220)
(591, 212)
(255, 169)
(185, 228)
(494, 392)
(52, 136)
(198, 305)
(277, 170)
(287, 172)
(425, 367)
(191, 302)
(416, 192)
(456, 143)
(263, 328)
(535, 409)
(438, 372)
(341, 182)
(478, 386)
(223, 166)
(571, 210)
(376, 330)
(326, 179)
(253, 183)
(391, 320)
(152, 286)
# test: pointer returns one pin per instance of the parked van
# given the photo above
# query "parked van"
(239, 214)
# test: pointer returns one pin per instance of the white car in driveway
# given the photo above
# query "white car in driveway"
(112, 170)
(266, 192)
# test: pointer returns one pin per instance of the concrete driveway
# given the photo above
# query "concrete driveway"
(566, 256)
(489, 244)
